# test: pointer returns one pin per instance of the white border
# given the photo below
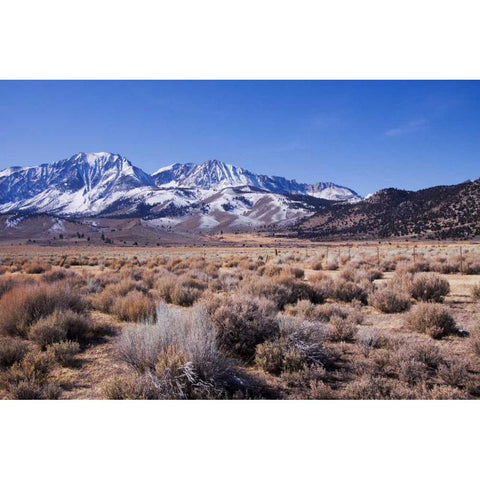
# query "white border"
(252, 39)
(239, 439)
(207, 39)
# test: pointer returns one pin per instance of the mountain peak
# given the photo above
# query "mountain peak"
(215, 175)
(91, 182)
(216, 163)
(93, 157)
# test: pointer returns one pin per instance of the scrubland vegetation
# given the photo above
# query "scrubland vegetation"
(295, 323)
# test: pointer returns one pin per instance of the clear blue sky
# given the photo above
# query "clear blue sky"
(365, 135)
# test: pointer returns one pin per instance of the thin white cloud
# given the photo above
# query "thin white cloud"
(410, 127)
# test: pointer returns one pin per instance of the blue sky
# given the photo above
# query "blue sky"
(365, 135)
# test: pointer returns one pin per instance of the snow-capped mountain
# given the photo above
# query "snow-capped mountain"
(214, 193)
(214, 175)
(81, 184)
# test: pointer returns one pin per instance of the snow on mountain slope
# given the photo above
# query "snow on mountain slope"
(240, 208)
(85, 183)
(214, 175)
(208, 195)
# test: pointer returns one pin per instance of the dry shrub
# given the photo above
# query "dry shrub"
(184, 290)
(64, 352)
(324, 313)
(24, 305)
(412, 371)
(296, 272)
(35, 366)
(271, 270)
(299, 290)
(445, 392)
(130, 387)
(178, 354)
(423, 351)
(475, 339)
(341, 330)
(164, 286)
(401, 280)
(316, 265)
(33, 390)
(454, 372)
(318, 277)
(368, 387)
(28, 379)
(269, 357)
(307, 310)
(282, 291)
(388, 300)
(134, 307)
(354, 274)
(46, 331)
(6, 284)
(388, 264)
(475, 291)
(280, 356)
(331, 265)
(177, 265)
(429, 287)
(57, 275)
(242, 322)
(432, 320)
(105, 300)
(185, 296)
(369, 339)
(36, 267)
(382, 362)
(346, 291)
(60, 325)
(298, 347)
(309, 383)
(12, 350)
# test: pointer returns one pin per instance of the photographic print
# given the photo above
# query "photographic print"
(239, 240)
(171, 240)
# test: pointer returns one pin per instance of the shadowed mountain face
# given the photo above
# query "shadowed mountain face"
(434, 213)
(92, 184)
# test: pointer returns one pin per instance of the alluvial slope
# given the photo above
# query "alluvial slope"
(437, 213)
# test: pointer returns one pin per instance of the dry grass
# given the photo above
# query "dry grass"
(272, 324)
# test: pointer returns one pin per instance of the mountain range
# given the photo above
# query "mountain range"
(441, 212)
(185, 196)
